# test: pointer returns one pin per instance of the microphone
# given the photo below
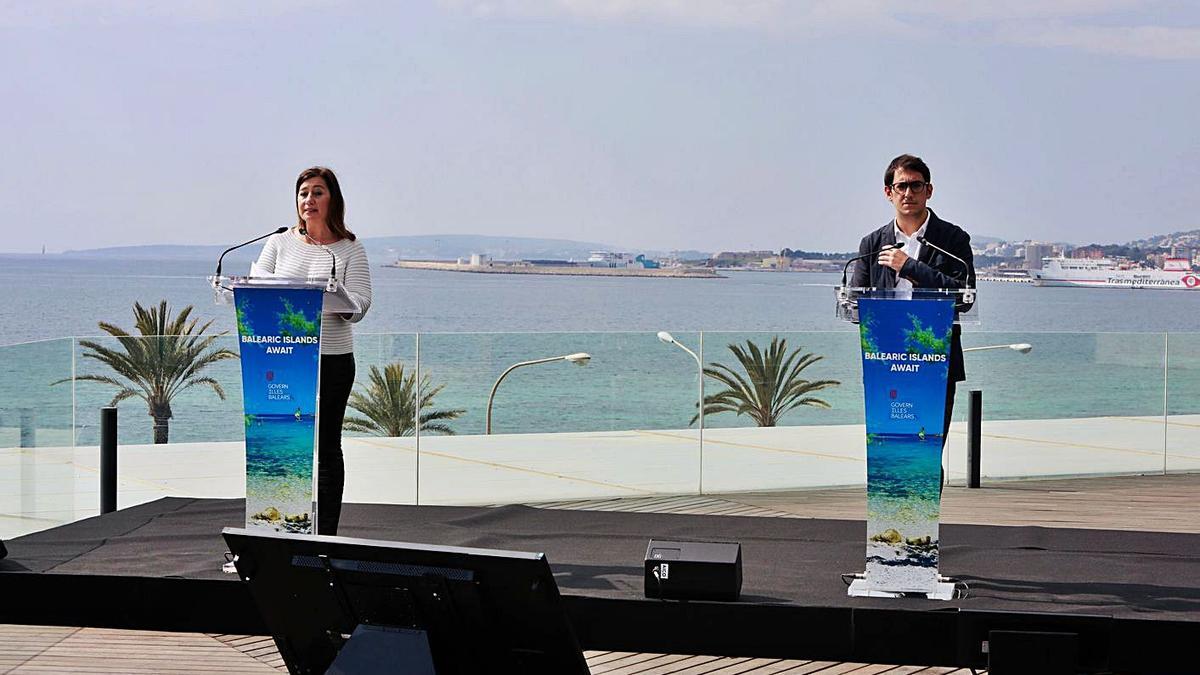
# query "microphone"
(939, 249)
(886, 247)
(333, 262)
(279, 230)
(332, 257)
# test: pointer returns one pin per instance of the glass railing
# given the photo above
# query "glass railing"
(382, 458)
(607, 419)
(39, 475)
(1182, 443)
(1076, 404)
(620, 423)
(752, 443)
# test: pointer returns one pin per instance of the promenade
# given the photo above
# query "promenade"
(44, 487)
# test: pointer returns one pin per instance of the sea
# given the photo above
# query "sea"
(1095, 351)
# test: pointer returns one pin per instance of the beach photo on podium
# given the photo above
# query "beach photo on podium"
(905, 350)
(279, 331)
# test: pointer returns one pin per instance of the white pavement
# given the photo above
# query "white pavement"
(45, 487)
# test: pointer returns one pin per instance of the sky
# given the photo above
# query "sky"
(656, 124)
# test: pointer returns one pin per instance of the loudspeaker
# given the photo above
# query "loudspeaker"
(693, 570)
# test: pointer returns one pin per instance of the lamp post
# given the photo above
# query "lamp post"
(975, 417)
(666, 337)
(1022, 347)
(579, 358)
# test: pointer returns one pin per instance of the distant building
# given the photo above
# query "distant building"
(1088, 252)
(479, 260)
(619, 260)
(803, 265)
(608, 259)
(642, 262)
(740, 258)
(539, 262)
(1034, 252)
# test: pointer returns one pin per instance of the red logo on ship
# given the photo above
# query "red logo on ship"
(1190, 280)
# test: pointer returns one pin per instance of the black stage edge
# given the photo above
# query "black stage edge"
(1130, 599)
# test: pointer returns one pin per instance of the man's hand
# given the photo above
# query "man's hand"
(894, 258)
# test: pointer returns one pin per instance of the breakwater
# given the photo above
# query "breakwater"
(561, 270)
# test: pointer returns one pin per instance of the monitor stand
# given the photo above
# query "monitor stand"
(384, 649)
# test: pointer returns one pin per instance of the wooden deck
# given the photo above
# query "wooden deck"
(49, 649)
(1159, 503)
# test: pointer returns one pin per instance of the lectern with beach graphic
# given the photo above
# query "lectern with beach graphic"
(906, 338)
(279, 335)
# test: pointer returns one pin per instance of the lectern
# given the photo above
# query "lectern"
(906, 340)
(279, 340)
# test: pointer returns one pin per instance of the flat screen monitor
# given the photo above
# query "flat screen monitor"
(477, 610)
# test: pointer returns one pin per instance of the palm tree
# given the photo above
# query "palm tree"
(771, 386)
(165, 358)
(388, 404)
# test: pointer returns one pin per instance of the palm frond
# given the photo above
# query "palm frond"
(164, 357)
(389, 404)
(770, 385)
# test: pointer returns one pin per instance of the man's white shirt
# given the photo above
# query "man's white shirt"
(912, 248)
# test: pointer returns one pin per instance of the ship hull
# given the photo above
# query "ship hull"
(1107, 273)
(1184, 283)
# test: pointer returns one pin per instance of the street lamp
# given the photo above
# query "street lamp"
(579, 358)
(666, 337)
(1023, 347)
(975, 417)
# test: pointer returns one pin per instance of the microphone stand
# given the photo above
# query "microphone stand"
(332, 258)
(279, 230)
(844, 295)
(948, 254)
(886, 247)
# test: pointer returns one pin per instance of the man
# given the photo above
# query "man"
(906, 184)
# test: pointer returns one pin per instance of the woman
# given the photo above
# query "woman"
(304, 251)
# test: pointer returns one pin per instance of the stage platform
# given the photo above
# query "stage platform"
(1133, 598)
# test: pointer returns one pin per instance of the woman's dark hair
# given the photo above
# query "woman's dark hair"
(908, 163)
(337, 204)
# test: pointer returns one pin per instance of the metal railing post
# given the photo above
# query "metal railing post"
(974, 436)
(28, 428)
(108, 459)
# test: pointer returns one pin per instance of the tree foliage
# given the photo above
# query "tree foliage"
(769, 386)
(165, 357)
(388, 404)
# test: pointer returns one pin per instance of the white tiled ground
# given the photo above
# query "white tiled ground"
(44, 487)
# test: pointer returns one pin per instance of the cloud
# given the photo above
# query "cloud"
(48, 13)
(966, 11)
(1148, 42)
(1098, 26)
(765, 15)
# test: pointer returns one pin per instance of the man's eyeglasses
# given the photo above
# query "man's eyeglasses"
(914, 185)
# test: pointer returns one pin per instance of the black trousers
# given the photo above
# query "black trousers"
(951, 388)
(337, 379)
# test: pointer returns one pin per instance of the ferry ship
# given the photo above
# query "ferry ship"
(1108, 273)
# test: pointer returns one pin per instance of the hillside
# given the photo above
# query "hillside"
(386, 249)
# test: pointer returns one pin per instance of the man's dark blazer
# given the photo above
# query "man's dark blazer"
(931, 270)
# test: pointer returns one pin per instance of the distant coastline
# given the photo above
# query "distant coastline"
(555, 270)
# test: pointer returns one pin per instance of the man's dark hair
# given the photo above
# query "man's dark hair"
(909, 163)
